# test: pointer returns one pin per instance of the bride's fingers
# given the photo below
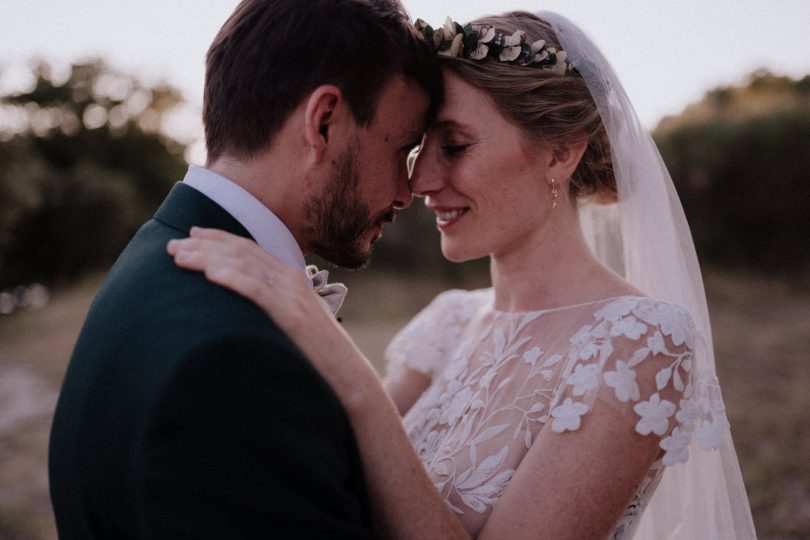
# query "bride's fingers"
(252, 287)
(224, 242)
(203, 260)
(218, 235)
(203, 255)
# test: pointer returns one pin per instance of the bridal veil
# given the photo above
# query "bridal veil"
(646, 239)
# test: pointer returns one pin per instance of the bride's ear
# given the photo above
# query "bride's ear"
(565, 157)
(322, 111)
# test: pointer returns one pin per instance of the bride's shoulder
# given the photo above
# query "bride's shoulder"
(457, 304)
(451, 307)
(645, 315)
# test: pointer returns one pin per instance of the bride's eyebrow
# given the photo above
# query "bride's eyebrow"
(452, 125)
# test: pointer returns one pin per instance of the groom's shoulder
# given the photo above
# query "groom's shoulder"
(148, 299)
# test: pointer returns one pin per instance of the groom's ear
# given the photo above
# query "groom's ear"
(324, 108)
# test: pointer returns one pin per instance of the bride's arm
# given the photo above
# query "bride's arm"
(406, 389)
(406, 503)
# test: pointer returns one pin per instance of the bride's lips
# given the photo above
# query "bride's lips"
(447, 216)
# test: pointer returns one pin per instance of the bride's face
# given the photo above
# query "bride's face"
(482, 176)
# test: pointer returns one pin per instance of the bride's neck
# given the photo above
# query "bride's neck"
(556, 268)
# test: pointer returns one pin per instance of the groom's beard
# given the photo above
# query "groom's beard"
(341, 220)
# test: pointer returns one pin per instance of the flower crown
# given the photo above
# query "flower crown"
(452, 39)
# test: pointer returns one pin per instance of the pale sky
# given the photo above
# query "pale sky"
(666, 52)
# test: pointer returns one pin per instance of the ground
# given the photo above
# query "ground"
(761, 337)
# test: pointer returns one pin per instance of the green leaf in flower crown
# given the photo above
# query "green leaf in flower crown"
(470, 39)
(525, 56)
(459, 29)
(429, 31)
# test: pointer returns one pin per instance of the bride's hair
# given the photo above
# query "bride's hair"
(550, 108)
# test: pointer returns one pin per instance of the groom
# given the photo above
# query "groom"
(185, 411)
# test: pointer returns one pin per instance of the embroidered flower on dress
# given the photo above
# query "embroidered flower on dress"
(711, 432)
(582, 336)
(654, 415)
(584, 378)
(459, 404)
(567, 416)
(588, 351)
(531, 356)
(687, 413)
(623, 380)
(676, 446)
(629, 327)
(656, 343)
(613, 311)
(674, 322)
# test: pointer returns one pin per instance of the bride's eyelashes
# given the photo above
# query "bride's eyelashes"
(454, 149)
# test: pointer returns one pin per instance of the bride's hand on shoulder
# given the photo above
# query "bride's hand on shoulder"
(239, 264)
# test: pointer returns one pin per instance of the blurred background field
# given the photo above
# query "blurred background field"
(86, 156)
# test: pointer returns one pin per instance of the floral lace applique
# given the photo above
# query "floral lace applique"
(503, 376)
(628, 332)
(424, 344)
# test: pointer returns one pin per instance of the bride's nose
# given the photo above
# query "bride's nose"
(427, 175)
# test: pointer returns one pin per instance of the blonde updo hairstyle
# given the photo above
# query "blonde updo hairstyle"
(550, 108)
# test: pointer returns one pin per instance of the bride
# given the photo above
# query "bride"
(576, 397)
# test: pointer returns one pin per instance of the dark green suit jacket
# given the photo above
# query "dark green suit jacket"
(187, 413)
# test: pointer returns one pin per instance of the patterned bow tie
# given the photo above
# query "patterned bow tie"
(332, 293)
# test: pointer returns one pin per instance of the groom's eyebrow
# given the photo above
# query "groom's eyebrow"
(413, 137)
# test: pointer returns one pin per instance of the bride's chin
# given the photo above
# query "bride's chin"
(456, 253)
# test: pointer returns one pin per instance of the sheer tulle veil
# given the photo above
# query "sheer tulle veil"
(645, 238)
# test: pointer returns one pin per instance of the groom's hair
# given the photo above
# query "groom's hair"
(271, 54)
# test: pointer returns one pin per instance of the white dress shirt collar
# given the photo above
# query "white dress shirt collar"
(265, 227)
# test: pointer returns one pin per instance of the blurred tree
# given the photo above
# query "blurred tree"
(83, 162)
(739, 161)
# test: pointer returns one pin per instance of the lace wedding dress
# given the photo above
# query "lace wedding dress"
(499, 377)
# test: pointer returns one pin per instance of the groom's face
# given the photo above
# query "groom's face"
(369, 181)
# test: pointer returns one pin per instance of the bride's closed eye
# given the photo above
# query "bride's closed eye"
(454, 149)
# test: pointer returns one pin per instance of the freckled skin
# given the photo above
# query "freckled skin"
(499, 177)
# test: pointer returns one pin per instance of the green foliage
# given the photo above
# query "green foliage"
(739, 162)
(80, 172)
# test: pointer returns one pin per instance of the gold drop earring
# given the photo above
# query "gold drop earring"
(553, 193)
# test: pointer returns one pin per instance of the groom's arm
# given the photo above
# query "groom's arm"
(249, 442)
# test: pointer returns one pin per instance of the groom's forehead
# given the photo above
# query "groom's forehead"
(403, 108)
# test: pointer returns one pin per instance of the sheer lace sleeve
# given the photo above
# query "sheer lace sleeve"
(638, 357)
(425, 343)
